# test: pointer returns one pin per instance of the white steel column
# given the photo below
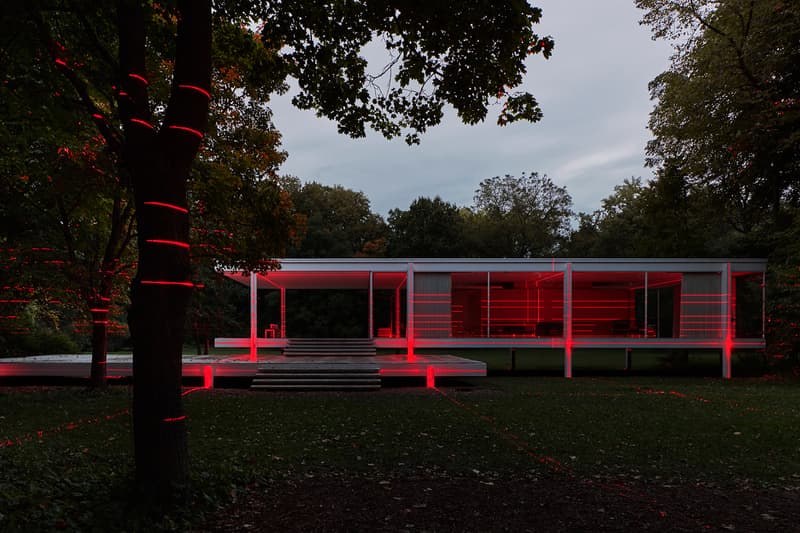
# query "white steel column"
(370, 306)
(725, 330)
(645, 306)
(568, 321)
(397, 309)
(488, 304)
(283, 312)
(763, 305)
(253, 315)
(410, 357)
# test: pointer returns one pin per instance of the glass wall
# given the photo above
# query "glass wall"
(389, 304)
(701, 305)
(469, 315)
(626, 304)
(525, 304)
(608, 304)
(747, 303)
(663, 311)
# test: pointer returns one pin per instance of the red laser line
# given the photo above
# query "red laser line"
(141, 122)
(621, 489)
(138, 77)
(174, 419)
(196, 89)
(170, 243)
(69, 426)
(168, 206)
(198, 133)
(553, 463)
(165, 282)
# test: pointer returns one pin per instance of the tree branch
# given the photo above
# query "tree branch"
(79, 85)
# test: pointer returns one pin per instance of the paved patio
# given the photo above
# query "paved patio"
(240, 365)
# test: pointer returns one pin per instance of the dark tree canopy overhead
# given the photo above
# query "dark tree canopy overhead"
(728, 110)
(465, 54)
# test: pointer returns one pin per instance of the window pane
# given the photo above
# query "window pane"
(526, 304)
(469, 317)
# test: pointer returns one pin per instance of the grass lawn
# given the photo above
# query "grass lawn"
(66, 453)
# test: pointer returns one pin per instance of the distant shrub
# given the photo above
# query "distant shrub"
(44, 342)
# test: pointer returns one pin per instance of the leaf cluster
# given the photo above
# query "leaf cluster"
(464, 54)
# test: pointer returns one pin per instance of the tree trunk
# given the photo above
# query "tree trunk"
(159, 162)
(100, 318)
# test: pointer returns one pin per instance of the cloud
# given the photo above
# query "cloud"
(594, 95)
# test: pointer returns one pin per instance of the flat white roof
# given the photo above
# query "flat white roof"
(556, 264)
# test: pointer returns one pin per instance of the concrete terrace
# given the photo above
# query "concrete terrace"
(209, 367)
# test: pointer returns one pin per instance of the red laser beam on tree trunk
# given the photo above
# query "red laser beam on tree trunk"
(196, 89)
(169, 243)
(142, 123)
(139, 78)
(168, 206)
(187, 129)
(167, 283)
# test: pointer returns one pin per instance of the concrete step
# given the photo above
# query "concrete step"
(329, 347)
(317, 376)
(311, 386)
(322, 378)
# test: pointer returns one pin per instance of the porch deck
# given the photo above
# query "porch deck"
(240, 365)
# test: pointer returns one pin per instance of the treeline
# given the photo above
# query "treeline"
(525, 216)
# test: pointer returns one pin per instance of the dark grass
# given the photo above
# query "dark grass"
(74, 473)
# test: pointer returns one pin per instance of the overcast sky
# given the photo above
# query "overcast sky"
(593, 92)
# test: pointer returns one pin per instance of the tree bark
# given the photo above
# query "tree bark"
(100, 320)
(159, 162)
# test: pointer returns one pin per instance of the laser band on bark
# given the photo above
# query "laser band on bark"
(166, 282)
(168, 206)
(141, 122)
(199, 134)
(170, 243)
(138, 77)
(174, 419)
(61, 62)
(196, 89)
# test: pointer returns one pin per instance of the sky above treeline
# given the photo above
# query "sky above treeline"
(593, 92)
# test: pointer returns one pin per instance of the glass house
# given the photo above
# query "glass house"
(411, 304)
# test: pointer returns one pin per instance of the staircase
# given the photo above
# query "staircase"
(317, 376)
(329, 347)
(322, 364)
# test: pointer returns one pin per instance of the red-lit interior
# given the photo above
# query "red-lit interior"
(388, 314)
(507, 304)
(520, 305)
